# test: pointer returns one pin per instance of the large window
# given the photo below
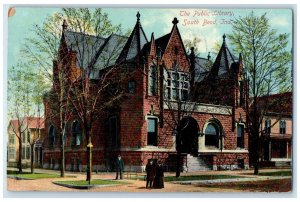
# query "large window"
(177, 85)
(52, 135)
(152, 81)
(212, 135)
(152, 132)
(282, 127)
(268, 126)
(113, 131)
(240, 136)
(23, 152)
(76, 133)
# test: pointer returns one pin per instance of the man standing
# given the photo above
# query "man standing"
(119, 167)
(150, 169)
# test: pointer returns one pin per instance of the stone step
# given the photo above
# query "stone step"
(197, 164)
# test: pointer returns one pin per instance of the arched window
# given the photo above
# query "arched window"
(212, 135)
(152, 81)
(76, 133)
(131, 86)
(52, 135)
(282, 126)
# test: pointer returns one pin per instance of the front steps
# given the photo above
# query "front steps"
(197, 164)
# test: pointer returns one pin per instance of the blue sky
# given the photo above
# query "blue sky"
(207, 24)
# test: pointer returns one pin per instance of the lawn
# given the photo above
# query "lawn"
(277, 173)
(34, 176)
(199, 177)
(93, 182)
(283, 185)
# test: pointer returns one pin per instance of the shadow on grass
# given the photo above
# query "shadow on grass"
(200, 177)
(283, 185)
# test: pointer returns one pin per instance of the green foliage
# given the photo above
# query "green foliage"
(265, 55)
(277, 173)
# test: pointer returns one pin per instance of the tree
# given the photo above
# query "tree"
(266, 60)
(19, 87)
(47, 44)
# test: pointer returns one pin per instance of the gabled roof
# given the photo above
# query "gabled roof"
(103, 50)
(160, 42)
(134, 44)
(222, 65)
(30, 122)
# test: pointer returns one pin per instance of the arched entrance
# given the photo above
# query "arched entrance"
(189, 132)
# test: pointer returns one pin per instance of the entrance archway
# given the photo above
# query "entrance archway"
(189, 131)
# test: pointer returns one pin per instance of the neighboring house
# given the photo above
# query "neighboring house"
(277, 130)
(33, 132)
(159, 72)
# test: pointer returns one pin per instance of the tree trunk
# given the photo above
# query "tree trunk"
(89, 158)
(20, 154)
(31, 160)
(178, 165)
(62, 169)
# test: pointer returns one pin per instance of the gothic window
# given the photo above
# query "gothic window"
(113, 131)
(152, 89)
(23, 137)
(212, 135)
(177, 85)
(268, 126)
(52, 136)
(240, 136)
(28, 137)
(282, 126)
(23, 152)
(76, 133)
(241, 93)
(152, 131)
(131, 86)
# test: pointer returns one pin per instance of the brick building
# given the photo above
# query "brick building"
(159, 75)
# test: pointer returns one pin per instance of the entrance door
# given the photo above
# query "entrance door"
(189, 131)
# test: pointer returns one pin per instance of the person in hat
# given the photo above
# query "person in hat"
(150, 170)
(119, 167)
(159, 176)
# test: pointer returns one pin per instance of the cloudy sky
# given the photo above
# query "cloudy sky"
(207, 24)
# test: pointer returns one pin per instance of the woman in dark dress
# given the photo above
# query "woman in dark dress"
(159, 177)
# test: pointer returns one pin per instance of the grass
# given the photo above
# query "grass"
(283, 185)
(277, 173)
(93, 182)
(36, 176)
(199, 177)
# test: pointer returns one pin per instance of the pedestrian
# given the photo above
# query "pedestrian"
(119, 167)
(150, 170)
(159, 176)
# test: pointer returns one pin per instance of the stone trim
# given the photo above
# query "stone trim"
(224, 151)
(202, 108)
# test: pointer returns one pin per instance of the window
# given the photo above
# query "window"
(113, 131)
(241, 93)
(268, 126)
(76, 133)
(27, 152)
(152, 81)
(23, 137)
(131, 87)
(11, 139)
(52, 136)
(177, 85)
(152, 132)
(11, 153)
(282, 126)
(23, 152)
(240, 136)
(212, 135)
(28, 137)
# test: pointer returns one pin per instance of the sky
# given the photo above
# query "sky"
(207, 24)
